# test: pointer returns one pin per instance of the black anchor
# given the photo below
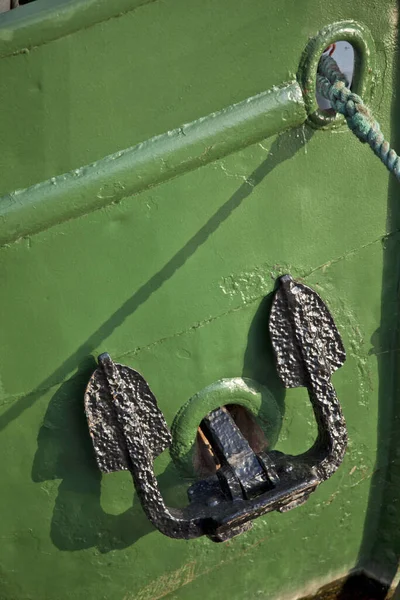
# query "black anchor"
(129, 431)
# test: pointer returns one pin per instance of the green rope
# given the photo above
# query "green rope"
(332, 85)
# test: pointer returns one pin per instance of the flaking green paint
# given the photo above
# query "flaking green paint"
(173, 280)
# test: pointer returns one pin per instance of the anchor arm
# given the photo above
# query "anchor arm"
(330, 446)
(308, 349)
(120, 419)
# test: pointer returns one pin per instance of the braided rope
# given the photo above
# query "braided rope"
(332, 85)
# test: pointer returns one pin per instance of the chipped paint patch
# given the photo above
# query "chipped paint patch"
(250, 285)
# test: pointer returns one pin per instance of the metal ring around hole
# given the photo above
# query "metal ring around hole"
(364, 49)
(255, 397)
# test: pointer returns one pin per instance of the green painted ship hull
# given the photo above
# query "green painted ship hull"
(161, 165)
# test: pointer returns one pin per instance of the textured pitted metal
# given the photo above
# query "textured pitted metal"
(132, 401)
(234, 450)
(128, 430)
(308, 349)
(304, 336)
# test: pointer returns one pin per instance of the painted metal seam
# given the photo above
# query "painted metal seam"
(39, 23)
(130, 171)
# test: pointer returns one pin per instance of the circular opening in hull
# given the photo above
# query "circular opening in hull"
(344, 55)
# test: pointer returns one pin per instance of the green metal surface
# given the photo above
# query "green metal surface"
(161, 158)
(169, 272)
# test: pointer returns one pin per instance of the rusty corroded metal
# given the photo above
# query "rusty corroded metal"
(129, 431)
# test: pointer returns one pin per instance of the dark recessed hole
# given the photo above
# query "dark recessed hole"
(205, 462)
(344, 54)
